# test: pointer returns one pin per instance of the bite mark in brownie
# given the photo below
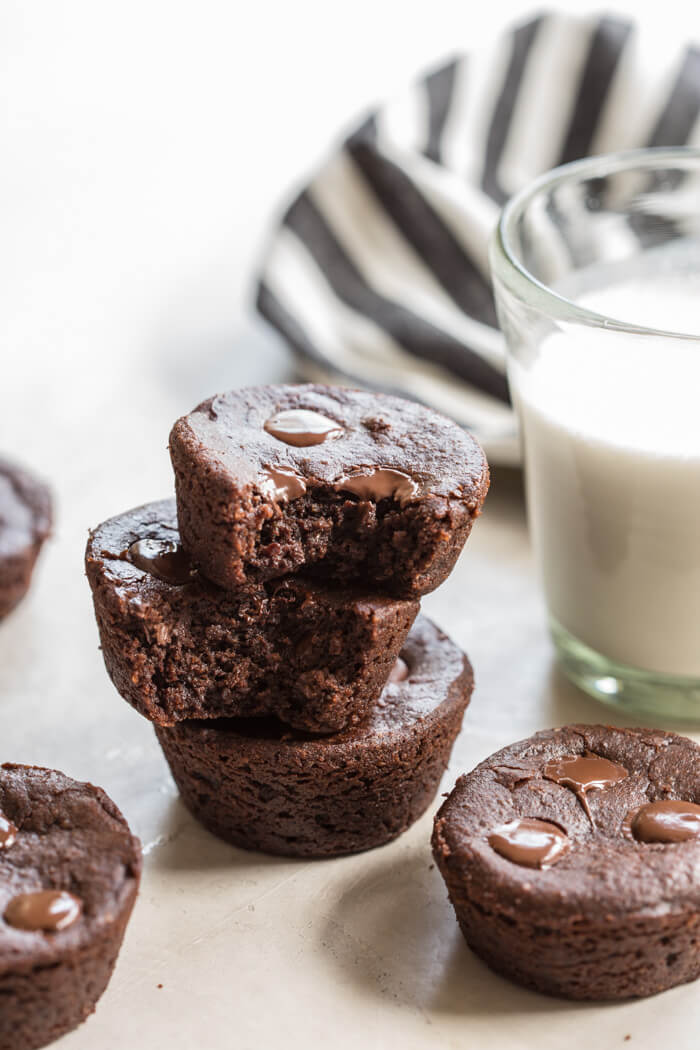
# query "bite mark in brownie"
(387, 498)
(261, 786)
(177, 647)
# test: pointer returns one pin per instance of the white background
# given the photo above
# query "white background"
(145, 147)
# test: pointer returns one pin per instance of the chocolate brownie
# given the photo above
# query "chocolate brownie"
(264, 787)
(177, 647)
(25, 522)
(572, 860)
(69, 874)
(348, 484)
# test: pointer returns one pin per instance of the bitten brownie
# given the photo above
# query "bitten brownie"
(262, 787)
(348, 484)
(69, 874)
(572, 860)
(25, 522)
(177, 647)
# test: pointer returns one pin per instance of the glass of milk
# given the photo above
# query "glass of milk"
(597, 276)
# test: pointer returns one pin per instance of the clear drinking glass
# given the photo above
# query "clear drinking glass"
(597, 276)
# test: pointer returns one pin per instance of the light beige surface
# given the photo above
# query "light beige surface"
(144, 149)
(256, 952)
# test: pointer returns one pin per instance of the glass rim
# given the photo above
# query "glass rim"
(506, 264)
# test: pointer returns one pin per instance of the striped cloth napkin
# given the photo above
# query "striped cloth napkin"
(378, 272)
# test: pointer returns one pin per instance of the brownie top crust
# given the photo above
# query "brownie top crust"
(587, 820)
(142, 546)
(68, 865)
(284, 439)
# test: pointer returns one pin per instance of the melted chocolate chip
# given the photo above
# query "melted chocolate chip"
(399, 672)
(301, 427)
(669, 820)
(378, 483)
(584, 773)
(47, 910)
(281, 483)
(530, 843)
(162, 558)
(8, 832)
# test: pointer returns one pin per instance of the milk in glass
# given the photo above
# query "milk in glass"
(611, 428)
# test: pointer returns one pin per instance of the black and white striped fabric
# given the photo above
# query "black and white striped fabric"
(378, 274)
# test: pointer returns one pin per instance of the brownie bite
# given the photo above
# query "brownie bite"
(263, 787)
(347, 484)
(69, 874)
(572, 860)
(25, 522)
(178, 647)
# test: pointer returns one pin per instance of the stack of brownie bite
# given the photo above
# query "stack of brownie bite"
(265, 620)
